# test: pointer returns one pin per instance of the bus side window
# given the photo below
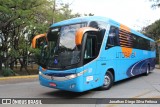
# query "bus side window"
(113, 37)
(142, 43)
(102, 26)
(90, 50)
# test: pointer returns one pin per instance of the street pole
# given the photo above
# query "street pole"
(1, 46)
(158, 43)
(159, 54)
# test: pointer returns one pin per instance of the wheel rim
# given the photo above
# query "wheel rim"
(147, 70)
(107, 81)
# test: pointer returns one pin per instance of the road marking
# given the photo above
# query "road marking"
(18, 77)
(112, 105)
(142, 94)
(155, 97)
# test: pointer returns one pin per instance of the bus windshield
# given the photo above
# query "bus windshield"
(61, 50)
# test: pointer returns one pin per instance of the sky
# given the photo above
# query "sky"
(133, 13)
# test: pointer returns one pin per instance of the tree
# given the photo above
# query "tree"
(90, 14)
(153, 30)
(15, 17)
(155, 3)
(1, 45)
(21, 20)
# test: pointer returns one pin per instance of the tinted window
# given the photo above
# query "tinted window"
(102, 29)
(123, 38)
(90, 49)
(113, 37)
(53, 34)
(142, 43)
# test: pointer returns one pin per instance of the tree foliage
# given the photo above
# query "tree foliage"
(155, 3)
(153, 30)
(90, 14)
(21, 20)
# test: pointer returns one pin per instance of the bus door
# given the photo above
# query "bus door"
(86, 39)
(91, 43)
(90, 53)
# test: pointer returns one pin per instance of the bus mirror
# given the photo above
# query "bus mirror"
(38, 40)
(80, 33)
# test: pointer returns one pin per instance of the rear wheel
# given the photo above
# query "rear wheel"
(108, 81)
(147, 71)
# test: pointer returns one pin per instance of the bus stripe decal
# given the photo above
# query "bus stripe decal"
(134, 67)
(140, 67)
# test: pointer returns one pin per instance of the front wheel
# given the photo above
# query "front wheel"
(108, 81)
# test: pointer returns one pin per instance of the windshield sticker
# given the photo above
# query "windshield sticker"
(55, 61)
(89, 78)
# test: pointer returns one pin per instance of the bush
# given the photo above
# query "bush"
(7, 72)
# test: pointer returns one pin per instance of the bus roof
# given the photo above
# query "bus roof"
(96, 18)
(79, 20)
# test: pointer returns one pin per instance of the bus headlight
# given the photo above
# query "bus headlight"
(40, 73)
(62, 78)
(75, 75)
(45, 76)
(71, 76)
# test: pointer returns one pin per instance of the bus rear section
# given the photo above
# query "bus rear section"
(130, 53)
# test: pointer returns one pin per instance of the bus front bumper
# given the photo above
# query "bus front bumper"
(74, 84)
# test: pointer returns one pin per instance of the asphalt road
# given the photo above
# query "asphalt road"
(136, 87)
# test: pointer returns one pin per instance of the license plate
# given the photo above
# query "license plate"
(52, 84)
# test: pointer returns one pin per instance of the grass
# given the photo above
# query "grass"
(32, 70)
(17, 72)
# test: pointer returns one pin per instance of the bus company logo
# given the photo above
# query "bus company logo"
(6, 101)
(124, 54)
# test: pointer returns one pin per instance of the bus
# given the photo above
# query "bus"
(84, 53)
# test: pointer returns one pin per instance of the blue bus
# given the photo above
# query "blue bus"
(84, 53)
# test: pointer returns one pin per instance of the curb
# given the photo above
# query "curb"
(19, 77)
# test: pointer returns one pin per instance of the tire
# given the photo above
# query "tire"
(147, 71)
(108, 81)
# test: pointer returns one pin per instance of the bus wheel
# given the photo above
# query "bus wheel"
(108, 81)
(147, 71)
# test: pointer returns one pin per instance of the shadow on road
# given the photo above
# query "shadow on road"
(66, 94)
(130, 79)
(70, 95)
(118, 83)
